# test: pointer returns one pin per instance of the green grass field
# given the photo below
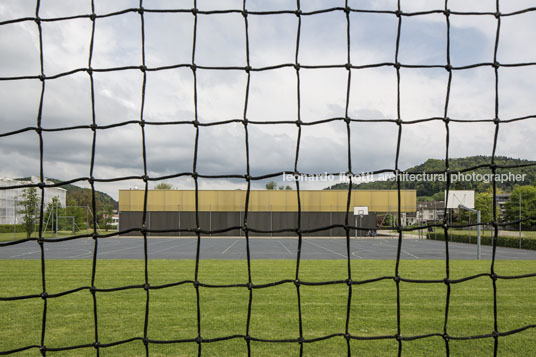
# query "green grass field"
(274, 309)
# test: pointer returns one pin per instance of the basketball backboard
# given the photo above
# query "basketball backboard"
(460, 197)
(360, 211)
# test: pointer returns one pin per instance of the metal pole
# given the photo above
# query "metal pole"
(210, 219)
(478, 235)
(240, 221)
(179, 220)
(57, 219)
(355, 220)
(271, 221)
(87, 220)
(519, 220)
(330, 220)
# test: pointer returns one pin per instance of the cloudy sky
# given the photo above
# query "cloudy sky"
(272, 94)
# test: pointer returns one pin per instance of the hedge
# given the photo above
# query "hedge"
(502, 241)
(8, 228)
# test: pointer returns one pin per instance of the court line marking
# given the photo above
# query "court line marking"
(284, 246)
(168, 248)
(229, 247)
(326, 249)
(127, 248)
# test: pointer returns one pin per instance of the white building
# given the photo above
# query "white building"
(10, 198)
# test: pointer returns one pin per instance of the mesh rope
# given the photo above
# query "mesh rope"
(496, 334)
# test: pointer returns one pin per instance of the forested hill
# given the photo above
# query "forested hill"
(82, 196)
(434, 165)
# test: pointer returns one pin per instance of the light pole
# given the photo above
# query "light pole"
(519, 220)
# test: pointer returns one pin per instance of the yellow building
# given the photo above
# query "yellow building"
(173, 212)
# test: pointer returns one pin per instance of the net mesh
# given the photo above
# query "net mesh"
(398, 15)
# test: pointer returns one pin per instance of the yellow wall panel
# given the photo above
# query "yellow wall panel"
(267, 200)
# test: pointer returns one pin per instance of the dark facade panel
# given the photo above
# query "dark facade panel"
(263, 221)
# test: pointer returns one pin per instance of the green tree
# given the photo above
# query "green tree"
(29, 209)
(528, 205)
(272, 185)
(52, 211)
(163, 186)
(484, 204)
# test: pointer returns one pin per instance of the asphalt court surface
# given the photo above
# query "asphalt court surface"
(260, 248)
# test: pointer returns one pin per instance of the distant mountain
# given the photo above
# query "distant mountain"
(82, 196)
(429, 188)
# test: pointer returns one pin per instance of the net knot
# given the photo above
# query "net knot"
(198, 230)
(93, 289)
(195, 175)
(41, 185)
(497, 14)
(195, 11)
(89, 70)
(195, 123)
(145, 178)
(245, 121)
(44, 295)
(399, 122)
(297, 66)
(496, 64)
(446, 120)
(448, 67)
(445, 337)
(247, 178)
(398, 337)
(93, 126)
(493, 276)
(397, 65)
(145, 341)
(299, 122)
(94, 235)
(247, 337)
(349, 282)
(348, 66)
(91, 180)
(96, 344)
(43, 349)
(298, 13)
(496, 121)
(446, 281)
(143, 68)
(300, 339)
(146, 286)
(92, 17)
(396, 279)
(250, 285)
(398, 13)
(247, 69)
(244, 13)
(446, 12)
(141, 10)
(347, 336)
(297, 282)
(37, 20)
(197, 283)
(198, 339)
(347, 10)
(193, 67)
(42, 77)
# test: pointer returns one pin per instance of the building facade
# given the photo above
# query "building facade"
(10, 198)
(270, 212)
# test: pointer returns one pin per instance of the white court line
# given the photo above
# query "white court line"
(284, 246)
(27, 253)
(408, 253)
(329, 250)
(172, 247)
(127, 248)
(229, 247)
(80, 255)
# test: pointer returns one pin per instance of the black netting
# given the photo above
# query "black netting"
(397, 15)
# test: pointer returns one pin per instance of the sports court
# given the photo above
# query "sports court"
(260, 248)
